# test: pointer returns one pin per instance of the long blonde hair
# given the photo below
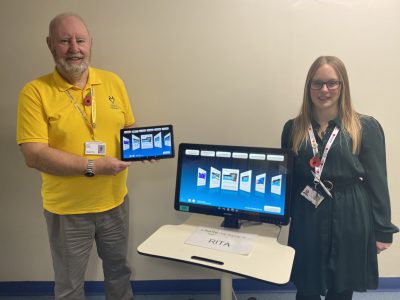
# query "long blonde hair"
(349, 117)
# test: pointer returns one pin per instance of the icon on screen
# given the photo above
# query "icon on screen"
(230, 179)
(125, 143)
(147, 141)
(245, 181)
(135, 142)
(201, 177)
(276, 184)
(215, 178)
(157, 140)
(167, 140)
(260, 183)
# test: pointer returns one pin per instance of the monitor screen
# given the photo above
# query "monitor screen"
(236, 182)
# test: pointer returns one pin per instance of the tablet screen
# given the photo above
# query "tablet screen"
(144, 143)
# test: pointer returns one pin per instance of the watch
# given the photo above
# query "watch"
(89, 169)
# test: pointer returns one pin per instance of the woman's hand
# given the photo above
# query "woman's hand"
(382, 246)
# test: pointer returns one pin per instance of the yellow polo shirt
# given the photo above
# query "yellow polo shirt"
(46, 114)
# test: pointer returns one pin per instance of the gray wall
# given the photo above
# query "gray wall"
(216, 69)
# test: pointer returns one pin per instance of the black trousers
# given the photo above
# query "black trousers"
(346, 295)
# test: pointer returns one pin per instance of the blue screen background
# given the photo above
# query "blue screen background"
(150, 152)
(236, 200)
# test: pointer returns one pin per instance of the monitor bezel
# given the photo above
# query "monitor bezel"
(233, 217)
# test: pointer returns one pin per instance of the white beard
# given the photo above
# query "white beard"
(72, 70)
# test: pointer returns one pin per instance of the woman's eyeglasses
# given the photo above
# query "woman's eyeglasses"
(331, 84)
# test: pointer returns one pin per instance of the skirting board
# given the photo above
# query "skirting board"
(171, 287)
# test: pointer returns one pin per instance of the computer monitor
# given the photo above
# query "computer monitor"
(236, 182)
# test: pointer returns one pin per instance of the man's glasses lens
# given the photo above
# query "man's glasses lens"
(331, 85)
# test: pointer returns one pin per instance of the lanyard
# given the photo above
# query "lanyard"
(91, 124)
(314, 145)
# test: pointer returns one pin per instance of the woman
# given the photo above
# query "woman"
(340, 199)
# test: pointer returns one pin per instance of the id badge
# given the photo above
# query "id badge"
(312, 195)
(95, 148)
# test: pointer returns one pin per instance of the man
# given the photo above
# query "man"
(68, 129)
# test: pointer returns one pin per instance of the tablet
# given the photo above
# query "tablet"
(144, 143)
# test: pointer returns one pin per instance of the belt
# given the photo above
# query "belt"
(332, 184)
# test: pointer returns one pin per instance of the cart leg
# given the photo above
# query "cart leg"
(226, 286)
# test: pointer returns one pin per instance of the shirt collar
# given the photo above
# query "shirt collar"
(334, 122)
(63, 85)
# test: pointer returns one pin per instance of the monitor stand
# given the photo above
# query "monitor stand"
(230, 222)
(269, 261)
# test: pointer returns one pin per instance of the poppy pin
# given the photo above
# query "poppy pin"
(315, 162)
(87, 101)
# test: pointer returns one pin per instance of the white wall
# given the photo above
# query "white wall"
(216, 69)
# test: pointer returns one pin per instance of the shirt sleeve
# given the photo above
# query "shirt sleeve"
(32, 125)
(373, 158)
(286, 135)
(129, 118)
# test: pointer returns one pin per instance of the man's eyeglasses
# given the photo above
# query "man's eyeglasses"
(331, 84)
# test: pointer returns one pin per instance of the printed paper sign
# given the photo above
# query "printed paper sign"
(223, 240)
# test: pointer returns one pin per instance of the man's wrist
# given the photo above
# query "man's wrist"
(89, 171)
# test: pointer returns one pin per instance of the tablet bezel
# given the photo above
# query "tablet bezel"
(149, 157)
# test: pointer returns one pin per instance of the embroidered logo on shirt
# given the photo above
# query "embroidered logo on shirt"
(112, 100)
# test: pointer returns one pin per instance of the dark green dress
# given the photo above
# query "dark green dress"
(335, 243)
